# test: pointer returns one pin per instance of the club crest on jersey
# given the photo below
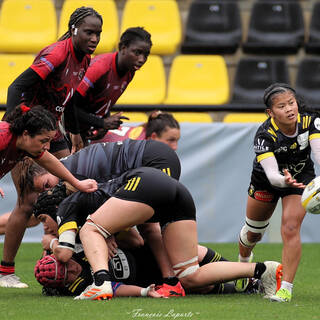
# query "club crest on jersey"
(303, 140)
(81, 74)
(317, 123)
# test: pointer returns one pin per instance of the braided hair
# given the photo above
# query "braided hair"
(34, 120)
(158, 121)
(134, 34)
(77, 18)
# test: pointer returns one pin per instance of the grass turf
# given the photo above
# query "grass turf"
(30, 304)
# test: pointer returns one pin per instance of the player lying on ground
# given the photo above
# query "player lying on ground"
(135, 267)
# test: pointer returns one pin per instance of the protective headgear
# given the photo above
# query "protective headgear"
(50, 272)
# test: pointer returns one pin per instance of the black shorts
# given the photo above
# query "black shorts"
(261, 189)
(170, 200)
(161, 156)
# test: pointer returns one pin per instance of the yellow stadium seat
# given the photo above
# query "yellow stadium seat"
(11, 65)
(148, 85)
(27, 26)
(110, 28)
(198, 79)
(192, 116)
(160, 18)
(245, 117)
(1, 114)
(134, 116)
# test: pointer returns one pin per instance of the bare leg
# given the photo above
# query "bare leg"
(19, 218)
(114, 215)
(292, 217)
(17, 222)
(33, 221)
(180, 239)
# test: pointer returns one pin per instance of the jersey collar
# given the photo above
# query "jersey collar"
(73, 54)
(276, 127)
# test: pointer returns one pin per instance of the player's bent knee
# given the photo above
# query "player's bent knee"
(252, 232)
(186, 270)
(96, 227)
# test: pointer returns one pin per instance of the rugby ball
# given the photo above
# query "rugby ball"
(311, 196)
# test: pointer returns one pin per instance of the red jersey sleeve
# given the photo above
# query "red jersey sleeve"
(49, 58)
(99, 66)
(5, 135)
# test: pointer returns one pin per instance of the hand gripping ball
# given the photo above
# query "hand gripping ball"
(311, 196)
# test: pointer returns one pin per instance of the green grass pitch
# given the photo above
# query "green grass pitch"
(30, 304)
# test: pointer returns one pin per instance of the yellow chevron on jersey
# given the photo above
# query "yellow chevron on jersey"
(167, 171)
(68, 226)
(274, 124)
(265, 156)
(132, 184)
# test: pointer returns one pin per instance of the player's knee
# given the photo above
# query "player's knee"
(191, 280)
(290, 229)
(187, 272)
(252, 232)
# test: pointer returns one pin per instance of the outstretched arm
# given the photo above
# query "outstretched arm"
(54, 166)
(271, 168)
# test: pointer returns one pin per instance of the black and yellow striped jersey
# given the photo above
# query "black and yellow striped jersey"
(291, 152)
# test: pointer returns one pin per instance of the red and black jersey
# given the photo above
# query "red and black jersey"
(291, 152)
(58, 65)
(102, 84)
(123, 133)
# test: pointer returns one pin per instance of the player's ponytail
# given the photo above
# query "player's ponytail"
(159, 121)
(34, 120)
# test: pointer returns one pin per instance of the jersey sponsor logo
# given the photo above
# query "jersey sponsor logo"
(260, 147)
(293, 146)
(303, 140)
(59, 109)
(264, 196)
(281, 149)
(317, 123)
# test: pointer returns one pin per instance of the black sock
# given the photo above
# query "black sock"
(211, 256)
(7, 264)
(171, 281)
(259, 270)
(101, 276)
